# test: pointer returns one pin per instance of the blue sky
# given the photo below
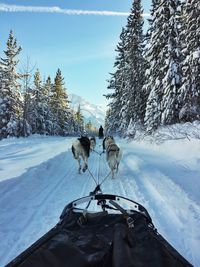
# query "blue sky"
(82, 46)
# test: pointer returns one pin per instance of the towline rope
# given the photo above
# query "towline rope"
(97, 152)
(97, 180)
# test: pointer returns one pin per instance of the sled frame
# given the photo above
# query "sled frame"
(103, 200)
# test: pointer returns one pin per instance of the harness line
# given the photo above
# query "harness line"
(97, 152)
(99, 167)
(97, 188)
(105, 178)
(92, 176)
(97, 181)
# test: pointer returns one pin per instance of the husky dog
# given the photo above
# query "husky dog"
(81, 148)
(92, 142)
(113, 154)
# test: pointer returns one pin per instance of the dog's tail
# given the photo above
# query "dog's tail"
(118, 154)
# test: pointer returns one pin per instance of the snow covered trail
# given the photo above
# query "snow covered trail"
(174, 213)
(36, 200)
(31, 204)
(147, 177)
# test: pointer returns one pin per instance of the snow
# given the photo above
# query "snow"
(93, 113)
(38, 177)
(196, 54)
(22, 154)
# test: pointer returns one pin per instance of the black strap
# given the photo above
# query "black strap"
(93, 193)
(129, 220)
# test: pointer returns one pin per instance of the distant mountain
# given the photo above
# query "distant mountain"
(91, 112)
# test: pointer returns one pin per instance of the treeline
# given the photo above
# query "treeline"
(156, 79)
(29, 105)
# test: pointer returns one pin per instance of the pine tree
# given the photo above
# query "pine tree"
(38, 106)
(26, 128)
(26, 83)
(127, 100)
(11, 102)
(148, 55)
(182, 27)
(190, 90)
(60, 107)
(79, 121)
(173, 77)
(164, 78)
(2, 105)
(48, 88)
(117, 84)
(108, 122)
(134, 74)
(26, 93)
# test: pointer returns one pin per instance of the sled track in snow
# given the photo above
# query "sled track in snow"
(172, 211)
(54, 179)
(56, 182)
(39, 205)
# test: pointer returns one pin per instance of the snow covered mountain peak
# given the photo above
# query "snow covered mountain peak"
(91, 112)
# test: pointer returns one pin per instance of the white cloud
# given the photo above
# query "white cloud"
(56, 9)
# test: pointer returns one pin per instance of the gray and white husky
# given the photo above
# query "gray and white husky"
(113, 154)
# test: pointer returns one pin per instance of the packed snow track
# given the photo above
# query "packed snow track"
(32, 202)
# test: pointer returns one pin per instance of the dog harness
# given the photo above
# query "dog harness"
(112, 147)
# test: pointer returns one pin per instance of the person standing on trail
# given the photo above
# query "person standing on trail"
(101, 132)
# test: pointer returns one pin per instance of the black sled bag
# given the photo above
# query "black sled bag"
(101, 240)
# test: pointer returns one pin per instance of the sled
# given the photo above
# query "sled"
(119, 233)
